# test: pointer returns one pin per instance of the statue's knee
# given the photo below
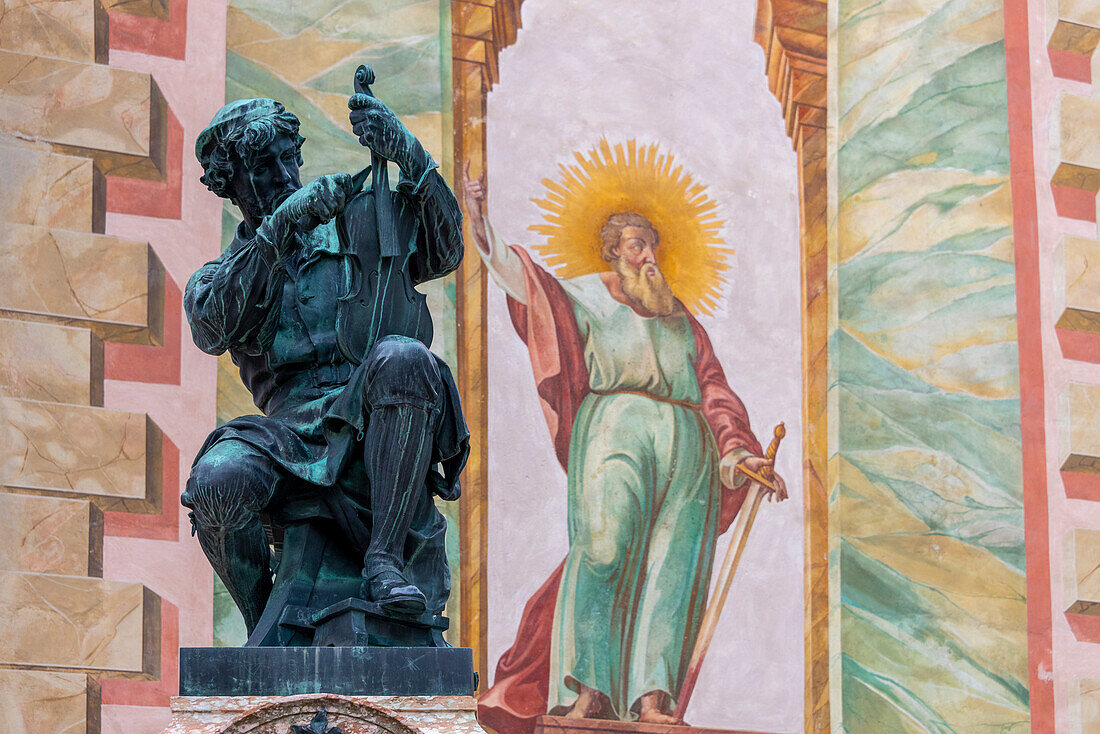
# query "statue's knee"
(401, 354)
(402, 370)
(220, 496)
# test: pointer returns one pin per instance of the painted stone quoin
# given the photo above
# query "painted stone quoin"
(315, 301)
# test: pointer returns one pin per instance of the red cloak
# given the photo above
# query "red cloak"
(546, 324)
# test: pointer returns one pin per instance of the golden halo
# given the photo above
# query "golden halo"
(637, 179)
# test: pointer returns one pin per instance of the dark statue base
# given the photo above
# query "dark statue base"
(354, 622)
(347, 671)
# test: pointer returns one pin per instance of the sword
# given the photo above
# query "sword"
(738, 539)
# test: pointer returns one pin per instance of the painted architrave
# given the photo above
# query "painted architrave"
(479, 31)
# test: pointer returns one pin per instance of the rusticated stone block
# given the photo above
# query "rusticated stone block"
(51, 190)
(108, 456)
(51, 535)
(79, 624)
(1082, 572)
(1079, 440)
(1078, 293)
(1084, 708)
(114, 287)
(1081, 580)
(1079, 12)
(42, 361)
(1077, 176)
(115, 116)
(43, 701)
(63, 29)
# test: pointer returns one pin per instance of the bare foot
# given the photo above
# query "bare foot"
(652, 709)
(587, 705)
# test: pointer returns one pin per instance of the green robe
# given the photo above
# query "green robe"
(644, 497)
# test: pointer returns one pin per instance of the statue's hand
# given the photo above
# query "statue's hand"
(315, 203)
(318, 201)
(379, 129)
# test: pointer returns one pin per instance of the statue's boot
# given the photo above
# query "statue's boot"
(398, 452)
(241, 558)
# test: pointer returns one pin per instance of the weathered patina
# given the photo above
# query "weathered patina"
(315, 301)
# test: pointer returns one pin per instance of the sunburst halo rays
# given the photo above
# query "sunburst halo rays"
(641, 179)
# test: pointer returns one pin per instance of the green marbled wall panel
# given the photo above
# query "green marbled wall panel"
(304, 53)
(926, 509)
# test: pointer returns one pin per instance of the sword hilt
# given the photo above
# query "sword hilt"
(767, 473)
(773, 447)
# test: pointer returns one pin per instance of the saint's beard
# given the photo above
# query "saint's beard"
(646, 287)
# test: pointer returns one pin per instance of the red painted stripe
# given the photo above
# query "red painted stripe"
(150, 35)
(1081, 486)
(144, 363)
(1085, 627)
(157, 692)
(1080, 345)
(1068, 65)
(1074, 203)
(153, 198)
(162, 526)
(1029, 325)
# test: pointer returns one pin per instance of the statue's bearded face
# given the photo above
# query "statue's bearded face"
(266, 178)
(641, 277)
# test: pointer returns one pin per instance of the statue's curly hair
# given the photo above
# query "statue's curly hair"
(243, 142)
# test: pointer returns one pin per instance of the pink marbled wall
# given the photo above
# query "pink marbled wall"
(175, 569)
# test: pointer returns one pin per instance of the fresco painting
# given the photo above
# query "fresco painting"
(644, 423)
(639, 374)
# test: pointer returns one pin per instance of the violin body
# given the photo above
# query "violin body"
(380, 298)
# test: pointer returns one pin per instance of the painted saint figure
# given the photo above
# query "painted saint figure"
(651, 437)
(357, 412)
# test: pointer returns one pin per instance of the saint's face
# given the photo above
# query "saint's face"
(261, 184)
(638, 248)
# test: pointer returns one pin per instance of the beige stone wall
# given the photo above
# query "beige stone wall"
(68, 119)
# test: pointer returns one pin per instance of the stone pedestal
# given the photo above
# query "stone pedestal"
(350, 714)
(348, 671)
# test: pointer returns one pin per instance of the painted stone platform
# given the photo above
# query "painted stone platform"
(350, 714)
(347, 671)
(562, 725)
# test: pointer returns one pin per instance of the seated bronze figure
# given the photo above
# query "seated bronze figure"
(315, 301)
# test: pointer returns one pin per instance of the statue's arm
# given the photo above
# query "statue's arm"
(233, 302)
(439, 247)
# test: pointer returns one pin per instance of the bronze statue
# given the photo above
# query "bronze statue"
(315, 301)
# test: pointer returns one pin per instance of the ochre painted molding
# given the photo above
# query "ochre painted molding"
(479, 31)
(793, 34)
